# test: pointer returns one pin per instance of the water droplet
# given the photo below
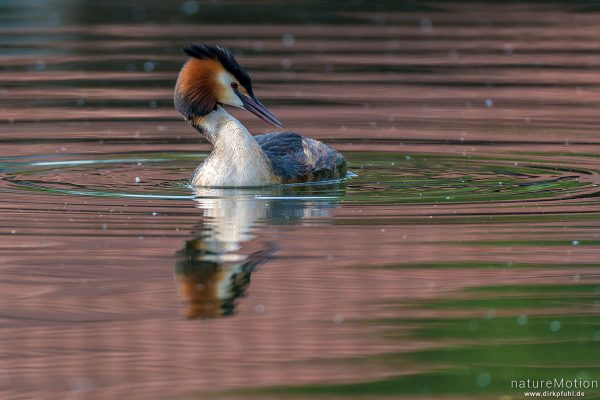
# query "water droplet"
(286, 63)
(40, 65)
(522, 320)
(288, 39)
(575, 242)
(138, 13)
(138, 179)
(488, 103)
(426, 24)
(190, 7)
(338, 318)
(149, 66)
(555, 326)
(484, 379)
(154, 213)
(259, 308)
(473, 326)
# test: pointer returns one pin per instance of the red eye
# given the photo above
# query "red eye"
(234, 85)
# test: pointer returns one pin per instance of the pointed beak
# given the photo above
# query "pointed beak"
(255, 107)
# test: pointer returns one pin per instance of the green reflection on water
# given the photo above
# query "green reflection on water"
(544, 332)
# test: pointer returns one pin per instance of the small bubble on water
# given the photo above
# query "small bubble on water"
(286, 63)
(555, 326)
(488, 103)
(40, 65)
(154, 213)
(575, 242)
(138, 179)
(139, 13)
(200, 287)
(259, 308)
(258, 46)
(473, 325)
(576, 278)
(425, 24)
(522, 320)
(288, 39)
(13, 232)
(104, 227)
(149, 66)
(338, 318)
(484, 379)
(190, 7)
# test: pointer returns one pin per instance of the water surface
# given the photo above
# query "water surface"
(464, 253)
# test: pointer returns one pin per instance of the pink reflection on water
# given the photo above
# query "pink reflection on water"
(91, 305)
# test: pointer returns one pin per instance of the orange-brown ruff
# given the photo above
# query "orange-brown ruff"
(212, 78)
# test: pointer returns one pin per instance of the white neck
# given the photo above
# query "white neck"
(236, 160)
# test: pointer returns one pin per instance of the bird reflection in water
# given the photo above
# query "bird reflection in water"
(213, 269)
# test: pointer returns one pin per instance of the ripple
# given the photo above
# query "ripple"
(391, 178)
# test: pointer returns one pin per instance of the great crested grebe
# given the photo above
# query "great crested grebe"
(212, 78)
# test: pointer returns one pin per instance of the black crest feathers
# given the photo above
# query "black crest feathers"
(225, 57)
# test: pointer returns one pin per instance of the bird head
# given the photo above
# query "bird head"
(212, 77)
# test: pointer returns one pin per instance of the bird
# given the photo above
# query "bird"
(210, 79)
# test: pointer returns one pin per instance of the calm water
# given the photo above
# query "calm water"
(464, 254)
